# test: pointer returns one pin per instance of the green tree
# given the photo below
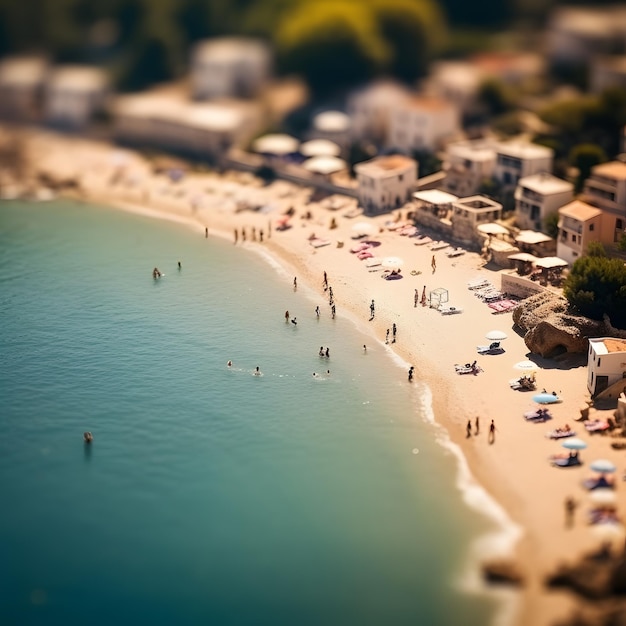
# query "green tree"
(584, 156)
(596, 285)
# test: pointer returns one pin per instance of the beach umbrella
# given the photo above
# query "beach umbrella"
(492, 229)
(392, 262)
(363, 228)
(331, 122)
(525, 366)
(496, 335)
(320, 147)
(523, 256)
(324, 164)
(277, 144)
(603, 466)
(574, 443)
(545, 398)
(608, 531)
(603, 496)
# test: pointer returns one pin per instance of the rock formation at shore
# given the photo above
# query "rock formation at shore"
(552, 328)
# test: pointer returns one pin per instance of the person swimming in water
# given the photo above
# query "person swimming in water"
(88, 437)
(257, 371)
(156, 273)
(229, 364)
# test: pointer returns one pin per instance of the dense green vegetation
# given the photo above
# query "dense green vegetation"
(331, 42)
(596, 285)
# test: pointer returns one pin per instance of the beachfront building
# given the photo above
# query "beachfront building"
(515, 160)
(229, 67)
(167, 122)
(606, 363)
(73, 94)
(21, 84)
(579, 225)
(369, 110)
(514, 68)
(467, 165)
(385, 183)
(538, 196)
(576, 34)
(422, 123)
(469, 213)
(332, 125)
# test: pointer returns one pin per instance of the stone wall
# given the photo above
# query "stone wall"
(519, 286)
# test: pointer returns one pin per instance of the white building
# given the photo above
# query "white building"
(606, 189)
(457, 82)
(538, 196)
(515, 160)
(606, 363)
(422, 123)
(468, 165)
(385, 183)
(576, 34)
(579, 225)
(21, 83)
(229, 67)
(74, 94)
(607, 72)
(369, 109)
(167, 122)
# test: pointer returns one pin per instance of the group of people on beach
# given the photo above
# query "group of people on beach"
(253, 233)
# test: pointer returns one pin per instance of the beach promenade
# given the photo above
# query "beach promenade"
(514, 469)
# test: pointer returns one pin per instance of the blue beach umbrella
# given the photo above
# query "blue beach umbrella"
(573, 443)
(546, 398)
(603, 466)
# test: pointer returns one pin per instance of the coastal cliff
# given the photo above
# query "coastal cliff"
(552, 328)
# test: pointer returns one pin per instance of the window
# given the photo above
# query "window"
(573, 237)
(591, 226)
(599, 359)
(619, 224)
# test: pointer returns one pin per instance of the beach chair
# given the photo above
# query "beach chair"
(439, 245)
(449, 310)
(477, 283)
(493, 348)
(319, 243)
(422, 240)
(454, 252)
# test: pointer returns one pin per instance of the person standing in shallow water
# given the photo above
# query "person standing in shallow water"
(286, 317)
(372, 310)
(295, 283)
(469, 428)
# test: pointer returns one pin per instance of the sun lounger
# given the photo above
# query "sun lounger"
(454, 252)
(570, 461)
(439, 245)
(409, 231)
(372, 262)
(359, 247)
(449, 310)
(364, 254)
(477, 283)
(502, 306)
(560, 434)
(493, 348)
(319, 243)
(468, 368)
(422, 240)
(595, 426)
(540, 415)
(597, 483)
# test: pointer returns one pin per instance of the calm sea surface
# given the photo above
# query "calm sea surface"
(209, 495)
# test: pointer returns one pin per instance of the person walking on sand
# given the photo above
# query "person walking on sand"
(243, 234)
(372, 311)
(469, 429)
(492, 432)
(411, 373)
(253, 233)
(433, 264)
(330, 293)
(394, 330)
(570, 509)
(476, 425)
(387, 337)
(261, 235)
(295, 283)
(317, 312)
(332, 311)
(325, 283)
(236, 236)
(416, 298)
(286, 317)
(206, 232)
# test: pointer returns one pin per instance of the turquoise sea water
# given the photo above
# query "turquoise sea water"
(209, 495)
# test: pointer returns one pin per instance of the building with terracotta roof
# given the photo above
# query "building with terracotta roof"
(579, 225)
(538, 196)
(385, 183)
(606, 363)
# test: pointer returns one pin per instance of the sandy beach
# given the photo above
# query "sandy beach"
(514, 469)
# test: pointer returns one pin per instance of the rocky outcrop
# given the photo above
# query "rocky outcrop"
(552, 328)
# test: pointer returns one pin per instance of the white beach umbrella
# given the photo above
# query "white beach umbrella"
(573, 443)
(523, 256)
(331, 122)
(608, 531)
(320, 147)
(603, 496)
(551, 261)
(496, 335)
(525, 366)
(392, 261)
(492, 229)
(603, 466)
(326, 164)
(277, 143)
(363, 228)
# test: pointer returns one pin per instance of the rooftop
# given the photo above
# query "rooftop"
(606, 345)
(545, 183)
(22, 70)
(612, 169)
(230, 49)
(383, 166)
(435, 196)
(524, 150)
(473, 150)
(478, 203)
(427, 103)
(78, 78)
(579, 210)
